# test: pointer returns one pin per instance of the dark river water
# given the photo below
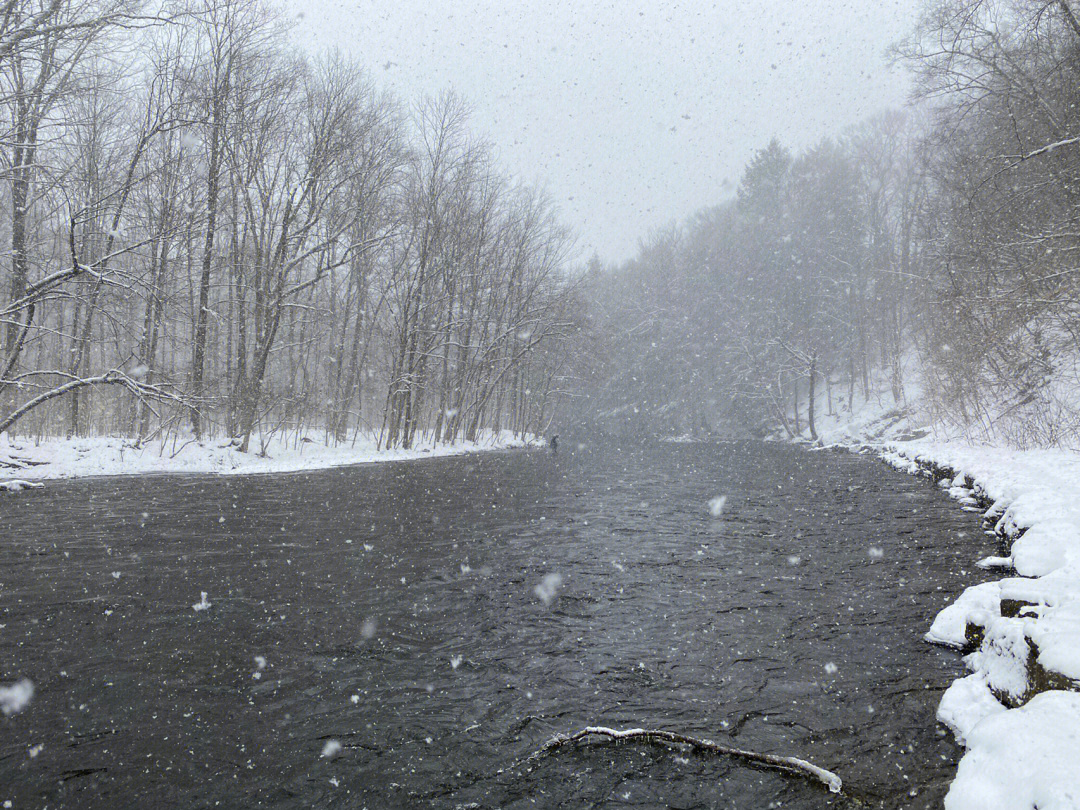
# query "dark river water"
(394, 607)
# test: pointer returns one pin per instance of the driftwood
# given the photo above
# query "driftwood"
(793, 765)
(17, 485)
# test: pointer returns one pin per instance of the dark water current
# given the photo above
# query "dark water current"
(396, 611)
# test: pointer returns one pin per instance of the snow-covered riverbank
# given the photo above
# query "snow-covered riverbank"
(1018, 712)
(25, 460)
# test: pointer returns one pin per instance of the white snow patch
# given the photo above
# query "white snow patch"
(976, 606)
(111, 455)
(965, 703)
(995, 562)
(1021, 759)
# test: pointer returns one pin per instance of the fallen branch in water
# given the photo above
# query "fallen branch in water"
(793, 765)
(17, 485)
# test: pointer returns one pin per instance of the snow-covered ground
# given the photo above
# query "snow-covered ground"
(1018, 713)
(24, 461)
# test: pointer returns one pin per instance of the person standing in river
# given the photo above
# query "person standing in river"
(553, 443)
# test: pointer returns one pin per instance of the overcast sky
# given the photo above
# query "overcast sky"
(631, 114)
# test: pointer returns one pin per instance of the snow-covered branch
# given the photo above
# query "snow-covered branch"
(792, 765)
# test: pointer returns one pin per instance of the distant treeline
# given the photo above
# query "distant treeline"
(208, 233)
(949, 234)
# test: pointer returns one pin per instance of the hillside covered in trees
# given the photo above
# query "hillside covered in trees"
(925, 258)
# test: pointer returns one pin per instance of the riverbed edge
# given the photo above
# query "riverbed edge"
(25, 464)
(1017, 713)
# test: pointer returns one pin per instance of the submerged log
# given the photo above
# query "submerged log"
(792, 765)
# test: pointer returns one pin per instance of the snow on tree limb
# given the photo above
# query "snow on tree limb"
(114, 377)
(1043, 150)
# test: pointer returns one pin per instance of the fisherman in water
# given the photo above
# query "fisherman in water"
(554, 444)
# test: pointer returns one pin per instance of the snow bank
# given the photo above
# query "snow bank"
(1018, 713)
(68, 458)
(849, 417)
(1022, 758)
(965, 703)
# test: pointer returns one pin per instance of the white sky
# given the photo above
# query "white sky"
(636, 113)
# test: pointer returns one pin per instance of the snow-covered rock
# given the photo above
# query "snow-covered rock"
(975, 607)
(965, 703)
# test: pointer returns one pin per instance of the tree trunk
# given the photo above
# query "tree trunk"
(198, 356)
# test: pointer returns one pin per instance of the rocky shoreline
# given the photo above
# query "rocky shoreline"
(1018, 712)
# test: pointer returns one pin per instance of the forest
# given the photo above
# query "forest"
(930, 251)
(208, 233)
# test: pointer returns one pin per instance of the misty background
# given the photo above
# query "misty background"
(631, 115)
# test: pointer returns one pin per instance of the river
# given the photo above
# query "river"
(392, 610)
